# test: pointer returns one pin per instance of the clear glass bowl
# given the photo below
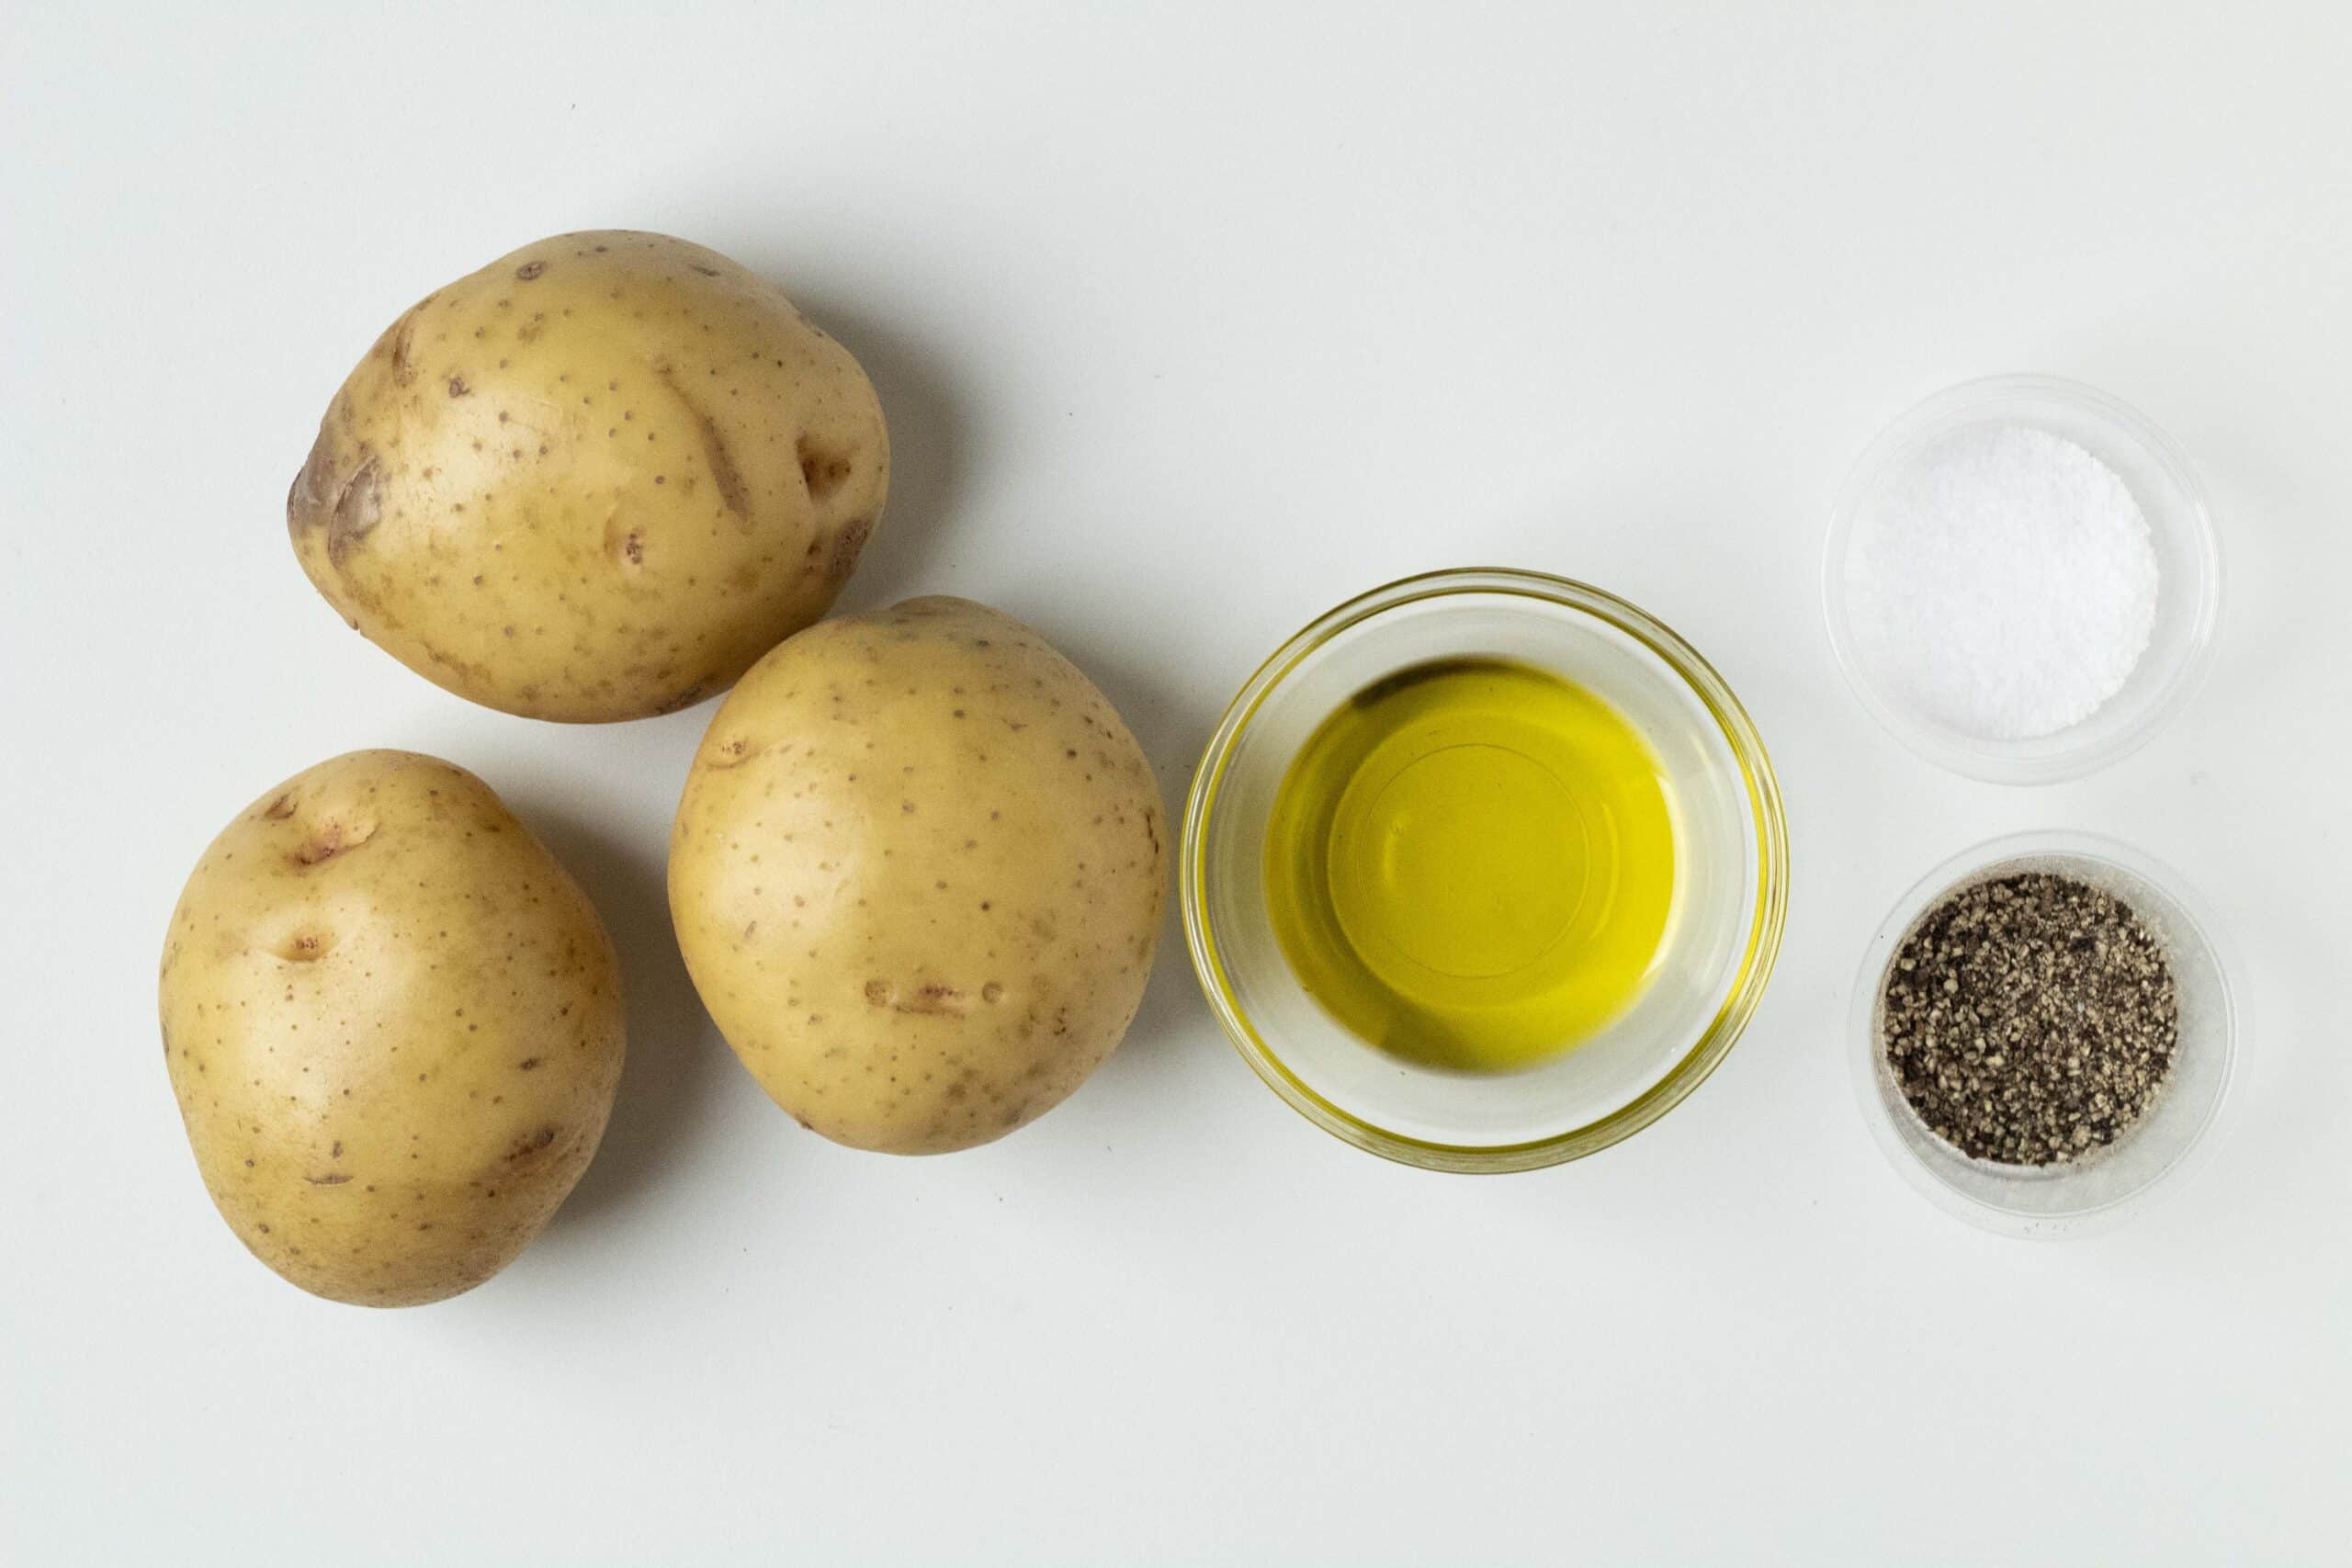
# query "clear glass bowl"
(1730, 895)
(2087, 1194)
(2189, 596)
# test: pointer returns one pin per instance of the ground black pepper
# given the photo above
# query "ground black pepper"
(2030, 1019)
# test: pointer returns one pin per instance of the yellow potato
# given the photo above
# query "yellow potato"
(917, 876)
(394, 1027)
(593, 480)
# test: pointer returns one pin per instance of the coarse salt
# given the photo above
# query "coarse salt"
(2004, 583)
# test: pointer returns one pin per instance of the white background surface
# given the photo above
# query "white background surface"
(1189, 322)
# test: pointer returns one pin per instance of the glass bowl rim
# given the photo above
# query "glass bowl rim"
(1697, 1061)
(2000, 761)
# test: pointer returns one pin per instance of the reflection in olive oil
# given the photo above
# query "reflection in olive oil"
(1471, 865)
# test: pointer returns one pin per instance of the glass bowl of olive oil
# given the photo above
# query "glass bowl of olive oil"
(1484, 870)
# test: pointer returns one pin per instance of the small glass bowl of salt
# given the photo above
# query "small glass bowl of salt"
(2021, 580)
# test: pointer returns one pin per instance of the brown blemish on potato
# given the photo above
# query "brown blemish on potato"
(398, 342)
(330, 839)
(356, 509)
(306, 946)
(530, 1143)
(822, 471)
(721, 462)
(623, 543)
(347, 508)
(458, 388)
(932, 998)
(705, 271)
(529, 1063)
(731, 753)
(279, 810)
(530, 270)
(684, 699)
(846, 547)
(331, 1179)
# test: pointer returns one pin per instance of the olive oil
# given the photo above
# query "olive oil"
(1471, 865)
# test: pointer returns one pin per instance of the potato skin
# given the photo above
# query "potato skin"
(917, 874)
(593, 480)
(393, 1024)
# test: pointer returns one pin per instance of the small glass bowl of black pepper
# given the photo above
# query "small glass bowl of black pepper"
(2044, 1032)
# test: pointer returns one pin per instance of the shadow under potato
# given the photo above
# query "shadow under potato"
(677, 1064)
